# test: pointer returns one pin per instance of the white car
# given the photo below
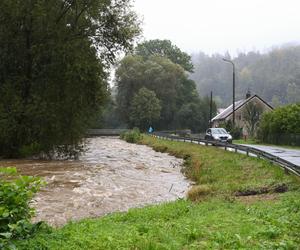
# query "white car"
(218, 134)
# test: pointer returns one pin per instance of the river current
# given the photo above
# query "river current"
(112, 175)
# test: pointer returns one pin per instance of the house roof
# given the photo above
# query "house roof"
(238, 104)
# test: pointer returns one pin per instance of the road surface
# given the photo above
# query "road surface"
(291, 155)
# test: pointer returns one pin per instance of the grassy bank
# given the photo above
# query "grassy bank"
(222, 217)
(225, 173)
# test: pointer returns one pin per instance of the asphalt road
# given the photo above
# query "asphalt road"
(291, 155)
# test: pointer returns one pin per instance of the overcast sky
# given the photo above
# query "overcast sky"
(221, 25)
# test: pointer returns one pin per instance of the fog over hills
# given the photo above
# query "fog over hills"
(274, 75)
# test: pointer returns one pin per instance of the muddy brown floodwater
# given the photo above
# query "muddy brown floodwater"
(111, 176)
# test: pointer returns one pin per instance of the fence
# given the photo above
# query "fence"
(282, 139)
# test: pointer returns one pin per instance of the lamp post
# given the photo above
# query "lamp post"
(233, 90)
(210, 109)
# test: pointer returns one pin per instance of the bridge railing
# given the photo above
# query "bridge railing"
(105, 132)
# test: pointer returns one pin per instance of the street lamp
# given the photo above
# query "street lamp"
(233, 90)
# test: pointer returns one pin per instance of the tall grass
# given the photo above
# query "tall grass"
(217, 220)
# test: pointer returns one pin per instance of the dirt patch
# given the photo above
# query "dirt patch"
(255, 198)
(281, 188)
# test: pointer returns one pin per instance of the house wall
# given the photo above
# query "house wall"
(217, 123)
(239, 119)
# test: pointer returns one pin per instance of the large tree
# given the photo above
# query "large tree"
(53, 61)
(181, 106)
(158, 74)
(251, 116)
(165, 48)
(145, 109)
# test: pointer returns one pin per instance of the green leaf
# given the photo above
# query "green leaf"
(6, 235)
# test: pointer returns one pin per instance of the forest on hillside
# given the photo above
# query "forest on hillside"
(275, 76)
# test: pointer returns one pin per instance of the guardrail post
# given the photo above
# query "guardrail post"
(247, 151)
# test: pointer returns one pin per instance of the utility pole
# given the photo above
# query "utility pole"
(233, 90)
(210, 111)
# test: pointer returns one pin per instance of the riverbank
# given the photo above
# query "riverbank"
(242, 203)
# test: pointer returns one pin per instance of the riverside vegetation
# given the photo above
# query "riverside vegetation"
(15, 212)
(132, 136)
(239, 202)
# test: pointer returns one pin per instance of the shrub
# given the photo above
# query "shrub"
(15, 212)
(198, 191)
(30, 150)
(236, 133)
(132, 136)
(281, 126)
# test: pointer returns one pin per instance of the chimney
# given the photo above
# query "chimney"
(248, 94)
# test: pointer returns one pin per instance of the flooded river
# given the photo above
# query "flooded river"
(111, 176)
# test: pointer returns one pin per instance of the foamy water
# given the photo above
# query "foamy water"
(111, 176)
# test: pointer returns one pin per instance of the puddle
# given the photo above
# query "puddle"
(111, 176)
(279, 151)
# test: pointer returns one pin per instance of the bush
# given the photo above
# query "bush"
(282, 126)
(197, 192)
(15, 212)
(30, 150)
(236, 133)
(132, 136)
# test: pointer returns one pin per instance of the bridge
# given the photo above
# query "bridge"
(105, 132)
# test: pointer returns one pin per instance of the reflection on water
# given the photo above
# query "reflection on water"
(111, 176)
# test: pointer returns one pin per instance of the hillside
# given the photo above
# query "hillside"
(275, 76)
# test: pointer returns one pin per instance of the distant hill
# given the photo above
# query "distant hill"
(275, 76)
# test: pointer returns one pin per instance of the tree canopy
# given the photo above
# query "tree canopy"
(157, 74)
(145, 109)
(53, 61)
(181, 106)
(165, 48)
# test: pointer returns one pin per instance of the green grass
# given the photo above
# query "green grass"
(225, 172)
(219, 221)
(248, 141)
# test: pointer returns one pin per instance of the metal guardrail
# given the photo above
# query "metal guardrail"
(288, 166)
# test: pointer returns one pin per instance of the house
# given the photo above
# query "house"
(240, 106)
